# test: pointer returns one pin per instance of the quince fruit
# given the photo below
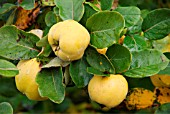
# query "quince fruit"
(68, 40)
(109, 91)
(25, 80)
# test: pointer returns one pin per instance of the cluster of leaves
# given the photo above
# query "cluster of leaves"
(137, 58)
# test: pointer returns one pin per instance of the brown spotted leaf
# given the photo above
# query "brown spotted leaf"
(163, 94)
(25, 18)
(139, 98)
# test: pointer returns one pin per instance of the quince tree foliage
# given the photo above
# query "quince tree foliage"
(137, 44)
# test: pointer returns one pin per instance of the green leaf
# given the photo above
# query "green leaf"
(135, 42)
(47, 51)
(140, 83)
(6, 108)
(99, 61)
(163, 109)
(97, 72)
(40, 20)
(27, 4)
(137, 28)
(120, 57)
(50, 82)
(106, 4)
(93, 5)
(50, 18)
(166, 71)
(46, 48)
(6, 8)
(105, 28)
(156, 25)
(43, 42)
(78, 72)
(70, 9)
(7, 68)
(89, 11)
(131, 15)
(144, 13)
(16, 44)
(11, 18)
(146, 63)
(56, 11)
(56, 62)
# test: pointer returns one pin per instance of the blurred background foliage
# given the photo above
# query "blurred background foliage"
(76, 100)
(146, 4)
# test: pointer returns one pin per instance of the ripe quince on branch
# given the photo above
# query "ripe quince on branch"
(109, 91)
(25, 80)
(68, 40)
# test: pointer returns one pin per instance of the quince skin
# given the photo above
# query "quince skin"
(68, 40)
(25, 80)
(109, 91)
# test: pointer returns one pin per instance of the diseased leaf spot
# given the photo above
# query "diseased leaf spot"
(157, 92)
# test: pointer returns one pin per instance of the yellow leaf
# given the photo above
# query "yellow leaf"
(163, 94)
(159, 80)
(162, 44)
(139, 98)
